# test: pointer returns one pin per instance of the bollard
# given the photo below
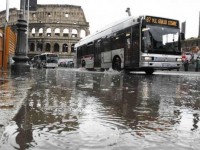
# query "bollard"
(197, 64)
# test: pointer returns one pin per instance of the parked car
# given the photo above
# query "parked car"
(66, 63)
(35, 61)
(69, 64)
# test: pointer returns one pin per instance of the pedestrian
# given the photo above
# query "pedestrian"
(197, 59)
(185, 62)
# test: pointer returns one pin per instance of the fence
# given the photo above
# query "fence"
(7, 47)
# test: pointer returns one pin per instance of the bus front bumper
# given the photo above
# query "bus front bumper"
(161, 65)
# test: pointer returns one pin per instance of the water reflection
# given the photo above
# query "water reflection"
(69, 109)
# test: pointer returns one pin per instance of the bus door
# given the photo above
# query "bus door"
(135, 52)
(131, 52)
(97, 54)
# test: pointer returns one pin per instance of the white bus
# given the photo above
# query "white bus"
(46, 60)
(144, 43)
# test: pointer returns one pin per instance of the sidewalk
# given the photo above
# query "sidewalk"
(191, 68)
(12, 95)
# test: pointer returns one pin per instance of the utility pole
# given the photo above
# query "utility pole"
(20, 66)
(183, 27)
(199, 26)
(27, 36)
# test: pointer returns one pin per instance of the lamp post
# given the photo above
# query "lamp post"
(21, 65)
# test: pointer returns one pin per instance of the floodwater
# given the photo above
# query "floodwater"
(68, 109)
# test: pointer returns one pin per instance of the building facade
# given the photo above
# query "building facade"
(191, 45)
(52, 28)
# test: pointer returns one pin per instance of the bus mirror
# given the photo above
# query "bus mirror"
(182, 36)
(144, 23)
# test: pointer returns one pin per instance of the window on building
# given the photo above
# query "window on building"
(48, 32)
(48, 47)
(65, 48)
(66, 32)
(74, 33)
(56, 47)
(40, 31)
(82, 34)
(32, 47)
(33, 15)
(39, 46)
(66, 15)
(72, 48)
(33, 32)
(49, 14)
(57, 32)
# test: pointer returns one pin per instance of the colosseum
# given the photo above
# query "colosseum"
(52, 28)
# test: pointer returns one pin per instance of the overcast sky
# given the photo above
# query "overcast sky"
(102, 12)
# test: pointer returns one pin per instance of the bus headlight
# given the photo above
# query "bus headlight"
(147, 58)
(178, 59)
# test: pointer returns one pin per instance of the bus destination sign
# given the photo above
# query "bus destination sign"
(162, 21)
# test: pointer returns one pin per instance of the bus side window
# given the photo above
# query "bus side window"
(84, 50)
(90, 48)
(106, 44)
(135, 37)
(128, 40)
(79, 54)
(135, 43)
(118, 41)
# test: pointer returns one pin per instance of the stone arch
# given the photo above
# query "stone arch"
(39, 46)
(56, 47)
(74, 33)
(49, 14)
(33, 15)
(48, 47)
(48, 32)
(57, 32)
(82, 33)
(72, 48)
(66, 32)
(32, 47)
(66, 14)
(33, 32)
(40, 31)
(65, 48)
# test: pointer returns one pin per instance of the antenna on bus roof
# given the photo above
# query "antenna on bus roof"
(128, 11)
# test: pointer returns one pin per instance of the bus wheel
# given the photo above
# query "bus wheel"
(149, 71)
(116, 65)
(83, 63)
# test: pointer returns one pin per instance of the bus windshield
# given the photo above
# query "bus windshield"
(52, 58)
(160, 40)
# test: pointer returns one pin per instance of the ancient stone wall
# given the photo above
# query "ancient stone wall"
(52, 28)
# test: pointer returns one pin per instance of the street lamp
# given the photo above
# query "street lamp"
(21, 65)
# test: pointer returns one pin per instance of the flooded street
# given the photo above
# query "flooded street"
(70, 109)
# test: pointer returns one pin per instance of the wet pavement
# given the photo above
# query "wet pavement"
(12, 94)
(75, 109)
